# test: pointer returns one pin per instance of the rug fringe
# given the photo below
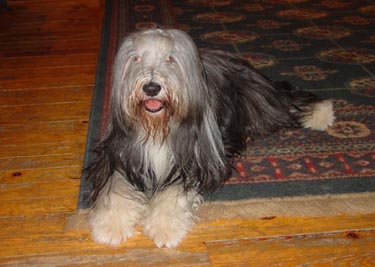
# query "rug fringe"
(306, 206)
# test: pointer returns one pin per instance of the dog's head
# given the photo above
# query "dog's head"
(158, 80)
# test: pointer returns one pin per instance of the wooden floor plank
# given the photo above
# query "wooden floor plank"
(9, 98)
(117, 258)
(19, 176)
(50, 47)
(47, 77)
(39, 149)
(66, 24)
(18, 226)
(72, 110)
(41, 38)
(30, 11)
(41, 190)
(41, 162)
(347, 248)
(44, 132)
(31, 62)
(38, 206)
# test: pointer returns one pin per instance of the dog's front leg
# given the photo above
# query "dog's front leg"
(117, 210)
(170, 215)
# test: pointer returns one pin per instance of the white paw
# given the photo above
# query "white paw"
(116, 212)
(170, 216)
(107, 228)
(167, 230)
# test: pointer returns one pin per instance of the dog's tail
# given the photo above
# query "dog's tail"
(320, 117)
(313, 112)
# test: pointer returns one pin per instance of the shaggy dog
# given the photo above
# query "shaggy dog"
(177, 120)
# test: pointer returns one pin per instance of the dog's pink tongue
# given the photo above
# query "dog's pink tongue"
(153, 104)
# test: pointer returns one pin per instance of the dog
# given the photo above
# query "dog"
(178, 118)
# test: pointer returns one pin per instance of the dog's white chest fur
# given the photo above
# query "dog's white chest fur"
(159, 158)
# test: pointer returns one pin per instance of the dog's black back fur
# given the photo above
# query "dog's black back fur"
(248, 104)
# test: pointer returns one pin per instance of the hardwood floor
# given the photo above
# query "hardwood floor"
(48, 52)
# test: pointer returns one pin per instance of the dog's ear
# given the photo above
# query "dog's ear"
(199, 154)
(186, 56)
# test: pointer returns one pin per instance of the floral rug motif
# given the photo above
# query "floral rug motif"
(325, 46)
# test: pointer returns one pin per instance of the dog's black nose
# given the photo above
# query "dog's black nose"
(151, 89)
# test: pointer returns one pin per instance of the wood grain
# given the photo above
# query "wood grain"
(39, 175)
(44, 132)
(46, 77)
(136, 257)
(25, 96)
(49, 61)
(45, 112)
(347, 248)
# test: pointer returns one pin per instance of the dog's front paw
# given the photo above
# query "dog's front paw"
(167, 230)
(107, 228)
(170, 216)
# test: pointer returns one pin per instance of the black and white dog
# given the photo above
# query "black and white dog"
(177, 119)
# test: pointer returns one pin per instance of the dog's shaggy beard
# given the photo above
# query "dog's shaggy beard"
(150, 125)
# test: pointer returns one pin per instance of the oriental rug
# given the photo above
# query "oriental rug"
(327, 47)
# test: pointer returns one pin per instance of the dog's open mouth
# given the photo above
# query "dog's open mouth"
(153, 105)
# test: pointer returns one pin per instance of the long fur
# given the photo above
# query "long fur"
(211, 102)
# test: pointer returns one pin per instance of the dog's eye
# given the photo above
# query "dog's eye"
(137, 59)
(169, 59)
